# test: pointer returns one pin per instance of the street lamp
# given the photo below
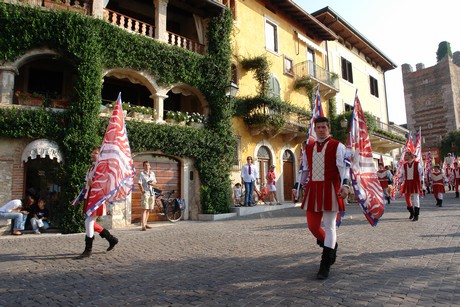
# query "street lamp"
(343, 123)
(231, 90)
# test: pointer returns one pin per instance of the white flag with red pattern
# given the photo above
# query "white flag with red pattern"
(114, 175)
(363, 174)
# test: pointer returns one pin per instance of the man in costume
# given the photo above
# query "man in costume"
(438, 178)
(325, 191)
(90, 222)
(456, 179)
(411, 176)
(385, 176)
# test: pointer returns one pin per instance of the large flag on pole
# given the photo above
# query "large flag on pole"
(363, 174)
(114, 170)
(409, 146)
(317, 111)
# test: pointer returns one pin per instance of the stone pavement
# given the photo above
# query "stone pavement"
(263, 259)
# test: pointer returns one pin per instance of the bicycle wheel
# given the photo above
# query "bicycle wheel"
(173, 212)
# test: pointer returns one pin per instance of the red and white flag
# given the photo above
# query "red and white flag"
(114, 170)
(316, 112)
(363, 174)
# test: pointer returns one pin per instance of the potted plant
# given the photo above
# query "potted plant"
(196, 120)
(181, 117)
(29, 99)
(170, 117)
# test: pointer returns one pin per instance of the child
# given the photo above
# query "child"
(237, 194)
(39, 219)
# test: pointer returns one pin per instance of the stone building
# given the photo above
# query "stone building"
(432, 98)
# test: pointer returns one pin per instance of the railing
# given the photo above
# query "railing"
(186, 43)
(310, 69)
(128, 23)
(140, 27)
(394, 129)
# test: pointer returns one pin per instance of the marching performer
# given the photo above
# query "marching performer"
(411, 184)
(325, 191)
(438, 178)
(456, 180)
(384, 176)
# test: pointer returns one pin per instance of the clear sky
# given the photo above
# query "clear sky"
(406, 31)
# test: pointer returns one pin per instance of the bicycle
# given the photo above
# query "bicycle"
(171, 207)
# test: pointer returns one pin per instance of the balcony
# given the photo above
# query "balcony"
(175, 22)
(275, 120)
(385, 138)
(328, 81)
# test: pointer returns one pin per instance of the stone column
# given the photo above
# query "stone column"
(160, 20)
(98, 8)
(158, 103)
(7, 74)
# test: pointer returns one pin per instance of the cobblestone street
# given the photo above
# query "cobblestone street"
(263, 259)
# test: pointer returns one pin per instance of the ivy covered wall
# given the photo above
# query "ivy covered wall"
(93, 45)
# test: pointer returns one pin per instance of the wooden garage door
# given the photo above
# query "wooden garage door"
(167, 172)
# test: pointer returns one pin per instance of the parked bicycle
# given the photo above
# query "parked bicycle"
(173, 208)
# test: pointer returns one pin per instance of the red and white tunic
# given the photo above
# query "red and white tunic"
(326, 170)
(437, 178)
(102, 210)
(383, 177)
(411, 175)
(456, 172)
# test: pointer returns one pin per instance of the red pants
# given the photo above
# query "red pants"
(314, 225)
(98, 228)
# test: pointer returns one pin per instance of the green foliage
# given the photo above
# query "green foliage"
(309, 85)
(261, 68)
(451, 144)
(443, 50)
(92, 46)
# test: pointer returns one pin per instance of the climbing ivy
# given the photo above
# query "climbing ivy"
(93, 45)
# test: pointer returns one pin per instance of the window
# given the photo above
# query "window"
(288, 66)
(347, 72)
(374, 86)
(274, 88)
(271, 36)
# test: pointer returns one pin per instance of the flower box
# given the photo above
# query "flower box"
(30, 101)
(62, 5)
(59, 103)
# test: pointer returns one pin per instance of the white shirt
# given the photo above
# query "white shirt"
(245, 173)
(11, 205)
(144, 178)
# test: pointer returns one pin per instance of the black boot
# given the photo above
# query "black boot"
(88, 248)
(411, 211)
(109, 237)
(320, 243)
(388, 200)
(334, 254)
(416, 214)
(325, 264)
(437, 202)
(440, 203)
(456, 194)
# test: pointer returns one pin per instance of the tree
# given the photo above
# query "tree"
(443, 49)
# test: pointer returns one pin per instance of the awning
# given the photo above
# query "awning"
(310, 43)
(40, 149)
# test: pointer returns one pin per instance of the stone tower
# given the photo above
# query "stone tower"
(432, 98)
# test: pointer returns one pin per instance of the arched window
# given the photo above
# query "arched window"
(274, 87)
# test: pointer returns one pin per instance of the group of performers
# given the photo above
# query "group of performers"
(411, 179)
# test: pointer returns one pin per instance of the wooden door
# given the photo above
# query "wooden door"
(288, 175)
(168, 175)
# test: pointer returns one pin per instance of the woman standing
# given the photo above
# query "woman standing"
(271, 184)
